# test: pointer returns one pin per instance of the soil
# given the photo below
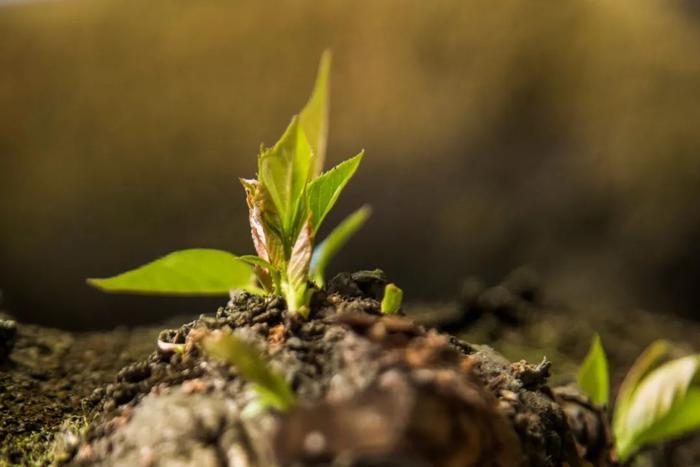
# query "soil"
(373, 390)
(46, 374)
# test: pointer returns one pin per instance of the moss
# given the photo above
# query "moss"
(45, 446)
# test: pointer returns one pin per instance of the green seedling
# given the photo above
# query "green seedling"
(287, 203)
(393, 296)
(593, 375)
(272, 389)
(657, 401)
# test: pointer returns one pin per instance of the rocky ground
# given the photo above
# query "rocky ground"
(373, 390)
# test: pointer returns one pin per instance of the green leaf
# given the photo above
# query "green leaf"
(661, 394)
(324, 191)
(683, 418)
(187, 272)
(284, 172)
(335, 241)
(646, 362)
(271, 387)
(314, 116)
(393, 296)
(593, 376)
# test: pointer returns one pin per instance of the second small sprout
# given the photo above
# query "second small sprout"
(393, 296)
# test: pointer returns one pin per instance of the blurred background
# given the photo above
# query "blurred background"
(562, 135)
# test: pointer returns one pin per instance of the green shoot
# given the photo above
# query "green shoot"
(272, 389)
(593, 375)
(655, 403)
(287, 204)
(393, 296)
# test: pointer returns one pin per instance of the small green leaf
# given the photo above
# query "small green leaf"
(187, 272)
(284, 172)
(324, 191)
(656, 407)
(646, 362)
(325, 251)
(593, 376)
(271, 387)
(393, 296)
(314, 116)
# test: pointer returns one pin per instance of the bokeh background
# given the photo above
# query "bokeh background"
(564, 135)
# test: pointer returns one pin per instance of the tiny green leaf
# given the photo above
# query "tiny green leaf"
(187, 272)
(656, 408)
(393, 296)
(314, 116)
(324, 191)
(284, 172)
(593, 376)
(325, 251)
(271, 387)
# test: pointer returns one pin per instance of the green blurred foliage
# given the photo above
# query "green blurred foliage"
(562, 134)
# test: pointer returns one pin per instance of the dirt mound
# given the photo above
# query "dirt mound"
(373, 390)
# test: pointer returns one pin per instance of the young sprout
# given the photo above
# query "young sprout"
(287, 203)
(272, 389)
(593, 374)
(656, 401)
(393, 296)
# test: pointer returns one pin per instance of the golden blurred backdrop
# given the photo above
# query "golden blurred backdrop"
(564, 135)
